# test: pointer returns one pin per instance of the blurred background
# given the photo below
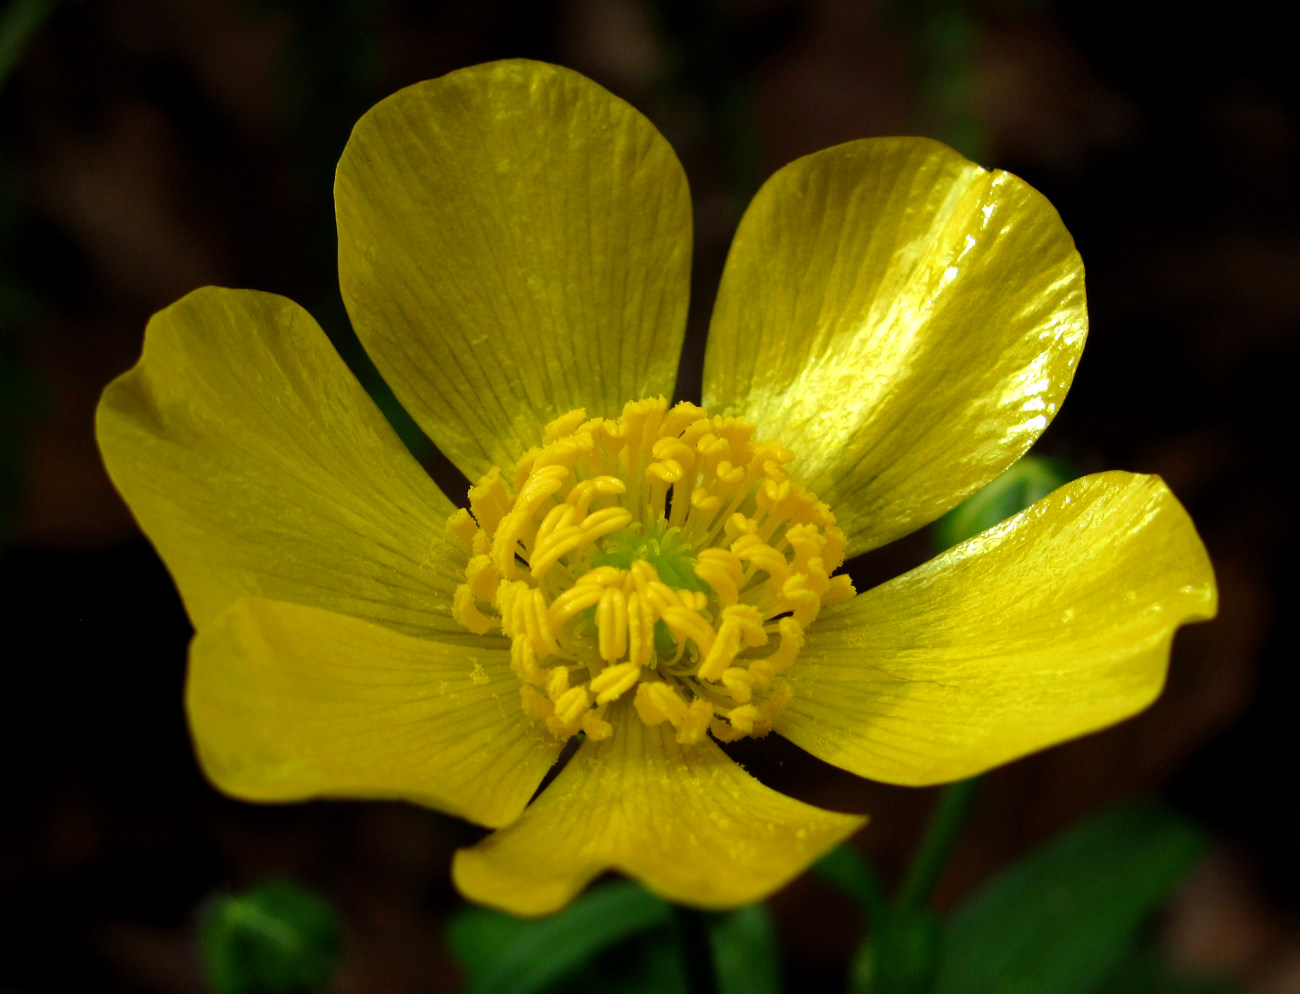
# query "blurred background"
(151, 147)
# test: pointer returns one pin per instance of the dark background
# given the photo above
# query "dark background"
(148, 147)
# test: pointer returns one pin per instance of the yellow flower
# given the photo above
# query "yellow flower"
(895, 326)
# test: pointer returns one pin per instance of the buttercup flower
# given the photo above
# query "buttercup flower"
(895, 326)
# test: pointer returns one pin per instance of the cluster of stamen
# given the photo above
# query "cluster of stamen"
(665, 555)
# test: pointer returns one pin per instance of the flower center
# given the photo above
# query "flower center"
(664, 555)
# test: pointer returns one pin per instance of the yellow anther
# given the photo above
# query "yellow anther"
(482, 543)
(611, 623)
(737, 525)
(833, 553)
(466, 613)
(557, 683)
(696, 600)
(563, 425)
(596, 728)
(489, 501)
(721, 569)
(533, 606)
(573, 602)
(772, 708)
(523, 612)
(598, 524)
(542, 483)
(695, 722)
(729, 475)
(613, 682)
(798, 597)
(807, 541)
(686, 623)
(614, 434)
(585, 491)
(605, 576)
(739, 681)
(739, 622)
(536, 704)
(505, 543)
(665, 471)
(643, 573)
(674, 449)
(772, 493)
(560, 516)
(791, 642)
(773, 470)
(681, 416)
(711, 446)
(524, 661)
(547, 552)
(752, 549)
(640, 628)
(524, 467)
(461, 527)
(742, 718)
(656, 702)
(569, 711)
(839, 589)
(704, 501)
(483, 577)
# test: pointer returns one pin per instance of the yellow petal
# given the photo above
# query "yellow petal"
(905, 321)
(256, 464)
(1054, 623)
(685, 821)
(289, 702)
(514, 243)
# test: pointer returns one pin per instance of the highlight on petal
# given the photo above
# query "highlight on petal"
(905, 320)
(289, 702)
(1055, 623)
(686, 821)
(514, 243)
(256, 464)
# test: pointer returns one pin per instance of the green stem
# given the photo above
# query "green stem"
(932, 854)
(697, 953)
(850, 871)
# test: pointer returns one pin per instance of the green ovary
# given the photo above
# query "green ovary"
(658, 544)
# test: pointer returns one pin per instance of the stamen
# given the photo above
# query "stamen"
(658, 555)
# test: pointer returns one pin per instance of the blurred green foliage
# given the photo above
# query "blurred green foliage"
(19, 20)
(1066, 919)
(1063, 918)
(1026, 482)
(274, 939)
(620, 939)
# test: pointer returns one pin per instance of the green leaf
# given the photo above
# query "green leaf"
(274, 939)
(1026, 482)
(744, 947)
(901, 955)
(1145, 972)
(501, 953)
(1062, 918)
(645, 963)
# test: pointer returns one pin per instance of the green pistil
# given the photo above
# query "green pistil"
(662, 547)
(658, 544)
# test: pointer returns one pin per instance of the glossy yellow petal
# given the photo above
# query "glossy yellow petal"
(289, 702)
(685, 821)
(514, 243)
(1054, 623)
(256, 464)
(903, 320)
